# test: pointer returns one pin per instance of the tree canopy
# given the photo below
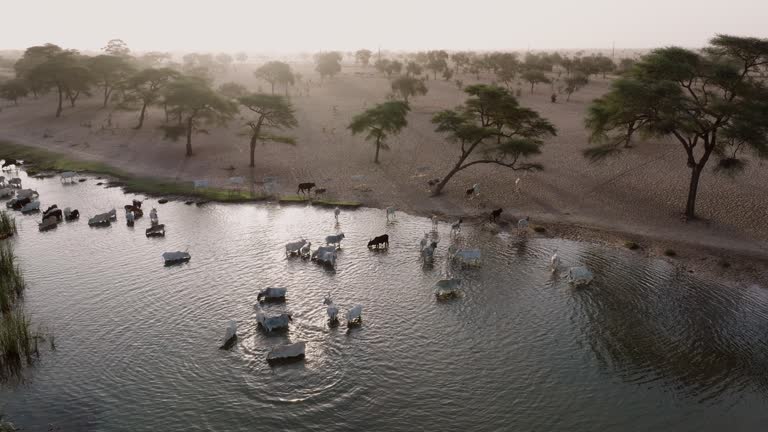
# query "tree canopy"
(407, 86)
(64, 70)
(380, 122)
(328, 64)
(574, 83)
(534, 76)
(363, 57)
(273, 112)
(492, 128)
(711, 103)
(13, 89)
(109, 71)
(275, 72)
(145, 87)
(195, 104)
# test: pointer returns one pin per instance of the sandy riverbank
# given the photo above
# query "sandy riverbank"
(636, 197)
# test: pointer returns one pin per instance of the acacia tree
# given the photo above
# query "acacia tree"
(117, 47)
(711, 103)
(63, 70)
(492, 128)
(506, 67)
(272, 111)
(109, 71)
(461, 59)
(574, 83)
(232, 90)
(33, 57)
(412, 69)
(363, 57)
(380, 122)
(437, 62)
(328, 64)
(274, 72)
(13, 89)
(195, 104)
(534, 76)
(146, 87)
(407, 86)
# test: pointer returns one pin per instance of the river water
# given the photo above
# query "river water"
(644, 347)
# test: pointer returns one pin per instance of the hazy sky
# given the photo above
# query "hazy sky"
(298, 25)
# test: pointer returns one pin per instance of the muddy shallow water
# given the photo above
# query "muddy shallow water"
(644, 347)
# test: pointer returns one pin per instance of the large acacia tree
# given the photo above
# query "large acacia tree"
(195, 103)
(109, 71)
(711, 103)
(363, 57)
(275, 72)
(271, 112)
(146, 87)
(492, 128)
(407, 86)
(380, 122)
(328, 64)
(65, 71)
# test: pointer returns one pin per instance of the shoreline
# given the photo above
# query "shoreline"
(721, 261)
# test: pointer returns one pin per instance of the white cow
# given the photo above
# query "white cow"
(391, 212)
(554, 262)
(334, 239)
(294, 247)
(331, 310)
(355, 316)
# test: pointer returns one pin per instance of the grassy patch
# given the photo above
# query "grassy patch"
(290, 199)
(670, 253)
(631, 245)
(7, 225)
(340, 204)
(299, 199)
(43, 160)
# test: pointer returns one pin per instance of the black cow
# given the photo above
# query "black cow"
(73, 215)
(305, 188)
(11, 162)
(18, 204)
(53, 211)
(377, 242)
(495, 214)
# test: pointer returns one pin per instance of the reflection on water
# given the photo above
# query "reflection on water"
(644, 347)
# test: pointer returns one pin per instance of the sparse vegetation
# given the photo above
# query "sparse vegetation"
(43, 160)
(631, 245)
(381, 121)
(7, 225)
(712, 103)
(495, 129)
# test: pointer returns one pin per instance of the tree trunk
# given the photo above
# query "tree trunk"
(273, 87)
(532, 84)
(254, 139)
(189, 135)
(141, 116)
(439, 189)
(690, 206)
(61, 97)
(378, 145)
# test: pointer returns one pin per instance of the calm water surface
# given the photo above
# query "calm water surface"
(645, 347)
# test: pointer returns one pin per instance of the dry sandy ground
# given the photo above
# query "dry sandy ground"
(639, 195)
